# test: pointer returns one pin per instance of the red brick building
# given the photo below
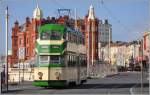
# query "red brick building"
(25, 35)
(91, 36)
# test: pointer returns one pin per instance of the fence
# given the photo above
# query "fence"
(102, 70)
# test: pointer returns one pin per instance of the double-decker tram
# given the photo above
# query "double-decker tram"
(60, 55)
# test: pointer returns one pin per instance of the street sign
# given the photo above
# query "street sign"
(21, 52)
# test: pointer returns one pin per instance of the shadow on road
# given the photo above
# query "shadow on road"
(103, 86)
(107, 86)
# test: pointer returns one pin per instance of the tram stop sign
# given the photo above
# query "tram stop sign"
(21, 52)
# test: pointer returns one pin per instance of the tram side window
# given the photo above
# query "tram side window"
(44, 59)
(83, 61)
(68, 60)
(71, 61)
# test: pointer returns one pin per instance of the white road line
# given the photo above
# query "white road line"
(131, 89)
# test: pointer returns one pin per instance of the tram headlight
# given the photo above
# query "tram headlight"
(40, 74)
(57, 74)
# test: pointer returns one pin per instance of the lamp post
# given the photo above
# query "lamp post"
(6, 18)
(19, 70)
(109, 47)
(149, 55)
(141, 55)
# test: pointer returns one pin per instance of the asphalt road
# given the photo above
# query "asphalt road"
(122, 83)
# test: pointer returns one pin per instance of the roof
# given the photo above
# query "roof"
(91, 13)
(57, 27)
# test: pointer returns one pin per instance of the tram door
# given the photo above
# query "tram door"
(49, 72)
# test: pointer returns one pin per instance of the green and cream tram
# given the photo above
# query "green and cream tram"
(60, 55)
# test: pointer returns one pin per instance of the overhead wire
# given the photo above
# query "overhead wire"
(113, 16)
(3, 5)
(60, 6)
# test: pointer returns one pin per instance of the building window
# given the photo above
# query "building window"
(15, 42)
(33, 52)
(27, 40)
(33, 39)
(27, 51)
(20, 41)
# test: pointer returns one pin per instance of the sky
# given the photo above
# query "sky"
(129, 18)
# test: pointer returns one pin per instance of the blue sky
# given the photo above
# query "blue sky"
(129, 18)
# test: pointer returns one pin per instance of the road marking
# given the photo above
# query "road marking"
(131, 89)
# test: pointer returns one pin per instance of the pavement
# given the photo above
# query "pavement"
(122, 83)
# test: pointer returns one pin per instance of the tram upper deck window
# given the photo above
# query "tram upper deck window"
(54, 59)
(51, 35)
(55, 35)
(45, 35)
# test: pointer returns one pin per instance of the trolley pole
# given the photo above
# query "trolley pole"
(6, 13)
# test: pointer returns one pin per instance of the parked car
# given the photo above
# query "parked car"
(129, 69)
(121, 68)
(137, 68)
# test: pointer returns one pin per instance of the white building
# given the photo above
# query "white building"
(105, 31)
(104, 37)
(146, 44)
(121, 56)
(118, 53)
(132, 51)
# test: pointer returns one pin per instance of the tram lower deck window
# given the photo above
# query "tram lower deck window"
(44, 59)
(54, 59)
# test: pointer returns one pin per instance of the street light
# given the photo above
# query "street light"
(149, 54)
(109, 47)
(141, 55)
(6, 13)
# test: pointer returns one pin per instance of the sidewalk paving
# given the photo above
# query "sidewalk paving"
(137, 89)
(19, 87)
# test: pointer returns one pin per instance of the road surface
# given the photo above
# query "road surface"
(122, 83)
